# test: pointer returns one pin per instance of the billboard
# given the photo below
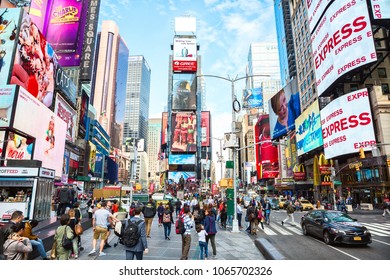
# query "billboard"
(7, 97)
(14, 3)
(184, 54)
(267, 162)
(68, 115)
(314, 11)
(19, 147)
(176, 175)
(92, 158)
(181, 159)
(65, 84)
(183, 132)
(286, 107)
(9, 19)
(164, 130)
(34, 63)
(39, 12)
(184, 92)
(308, 129)
(48, 130)
(343, 41)
(205, 129)
(84, 99)
(252, 98)
(380, 9)
(347, 124)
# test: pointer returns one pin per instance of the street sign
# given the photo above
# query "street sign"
(229, 164)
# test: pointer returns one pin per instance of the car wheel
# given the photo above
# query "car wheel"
(327, 238)
(304, 229)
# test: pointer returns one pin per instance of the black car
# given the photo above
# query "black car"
(335, 227)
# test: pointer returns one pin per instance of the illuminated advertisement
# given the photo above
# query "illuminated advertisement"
(181, 159)
(183, 132)
(347, 124)
(2, 137)
(290, 151)
(39, 12)
(308, 129)
(48, 130)
(252, 98)
(286, 107)
(65, 167)
(19, 147)
(184, 92)
(34, 63)
(205, 129)
(184, 54)
(7, 97)
(267, 163)
(9, 20)
(315, 9)
(164, 130)
(380, 9)
(343, 41)
(83, 113)
(176, 175)
(68, 115)
(92, 157)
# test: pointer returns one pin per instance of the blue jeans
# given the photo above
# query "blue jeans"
(38, 244)
(130, 255)
(167, 229)
(230, 220)
(267, 213)
(203, 247)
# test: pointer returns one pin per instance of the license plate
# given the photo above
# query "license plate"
(357, 238)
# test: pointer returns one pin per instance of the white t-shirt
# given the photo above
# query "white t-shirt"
(202, 235)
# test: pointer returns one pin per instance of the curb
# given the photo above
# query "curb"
(268, 250)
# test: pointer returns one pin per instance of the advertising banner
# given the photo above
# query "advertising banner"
(39, 13)
(98, 165)
(267, 162)
(83, 113)
(183, 132)
(65, 84)
(380, 9)
(315, 8)
(308, 129)
(347, 124)
(48, 130)
(184, 92)
(184, 54)
(65, 167)
(176, 175)
(205, 129)
(181, 159)
(7, 97)
(68, 115)
(92, 158)
(9, 20)
(19, 147)
(164, 130)
(286, 107)
(343, 41)
(34, 63)
(252, 98)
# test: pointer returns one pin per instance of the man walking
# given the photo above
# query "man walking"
(290, 214)
(186, 236)
(64, 199)
(141, 246)
(149, 212)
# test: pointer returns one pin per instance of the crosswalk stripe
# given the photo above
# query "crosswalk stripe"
(387, 226)
(269, 231)
(296, 229)
(375, 231)
(280, 229)
(379, 226)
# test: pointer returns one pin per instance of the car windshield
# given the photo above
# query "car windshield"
(274, 200)
(305, 201)
(338, 217)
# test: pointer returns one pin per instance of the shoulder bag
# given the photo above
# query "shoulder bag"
(78, 229)
(66, 242)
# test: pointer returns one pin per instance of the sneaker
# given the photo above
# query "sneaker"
(102, 254)
(92, 252)
(282, 223)
(168, 238)
(76, 256)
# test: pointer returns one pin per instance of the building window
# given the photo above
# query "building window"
(354, 87)
(369, 86)
(382, 72)
(385, 88)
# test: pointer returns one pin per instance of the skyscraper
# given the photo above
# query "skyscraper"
(154, 140)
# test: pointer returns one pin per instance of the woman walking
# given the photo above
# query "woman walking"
(63, 229)
(160, 212)
(167, 222)
(211, 229)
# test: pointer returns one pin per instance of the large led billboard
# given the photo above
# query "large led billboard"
(7, 97)
(39, 12)
(83, 120)
(65, 112)
(9, 20)
(184, 54)
(252, 98)
(48, 130)
(308, 129)
(286, 107)
(164, 130)
(380, 9)
(176, 175)
(183, 132)
(179, 159)
(19, 147)
(184, 92)
(347, 124)
(205, 128)
(315, 9)
(267, 162)
(343, 41)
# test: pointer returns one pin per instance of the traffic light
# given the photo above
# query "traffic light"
(361, 153)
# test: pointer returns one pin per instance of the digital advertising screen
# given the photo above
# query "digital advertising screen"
(184, 92)
(7, 97)
(19, 147)
(252, 98)
(66, 113)
(83, 113)
(183, 132)
(315, 9)
(205, 129)
(184, 54)
(39, 13)
(48, 130)
(285, 107)
(342, 42)
(347, 124)
(176, 175)
(308, 129)
(380, 9)
(181, 159)
(164, 130)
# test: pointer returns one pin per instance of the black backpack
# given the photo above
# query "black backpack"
(131, 234)
(179, 226)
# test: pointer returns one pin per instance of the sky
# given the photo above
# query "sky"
(225, 30)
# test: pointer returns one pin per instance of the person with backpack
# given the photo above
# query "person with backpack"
(211, 229)
(64, 198)
(167, 222)
(149, 212)
(178, 207)
(186, 236)
(290, 214)
(133, 236)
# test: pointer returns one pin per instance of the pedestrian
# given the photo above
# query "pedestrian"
(90, 211)
(385, 208)
(160, 212)
(17, 247)
(251, 214)
(36, 243)
(290, 214)
(267, 211)
(202, 241)
(72, 223)
(6, 230)
(141, 246)
(260, 216)
(211, 229)
(63, 229)
(223, 214)
(110, 224)
(239, 214)
(178, 207)
(64, 198)
(149, 212)
(100, 220)
(186, 236)
(167, 222)
(115, 207)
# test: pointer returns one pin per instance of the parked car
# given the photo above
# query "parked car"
(274, 203)
(306, 205)
(334, 227)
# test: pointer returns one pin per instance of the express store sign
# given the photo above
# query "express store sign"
(184, 66)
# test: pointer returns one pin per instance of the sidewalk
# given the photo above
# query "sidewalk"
(230, 246)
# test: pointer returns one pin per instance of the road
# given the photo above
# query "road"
(291, 242)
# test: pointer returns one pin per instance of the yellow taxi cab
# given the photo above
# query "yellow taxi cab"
(306, 205)
(282, 201)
